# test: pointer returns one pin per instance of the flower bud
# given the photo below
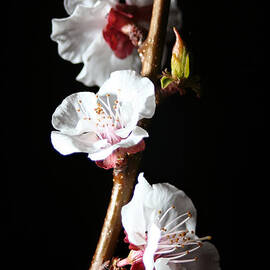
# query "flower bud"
(180, 58)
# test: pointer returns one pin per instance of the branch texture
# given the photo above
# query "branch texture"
(123, 183)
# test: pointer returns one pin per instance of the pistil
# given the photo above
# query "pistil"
(108, 119)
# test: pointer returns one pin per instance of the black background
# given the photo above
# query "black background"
(55, 204)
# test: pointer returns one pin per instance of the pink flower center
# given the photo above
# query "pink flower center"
(108, 119)
(122, 27)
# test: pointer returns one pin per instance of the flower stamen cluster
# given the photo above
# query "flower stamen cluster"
(163, 232)
(172, 240)
(104, 125)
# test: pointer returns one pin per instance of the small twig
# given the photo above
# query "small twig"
(124, 178)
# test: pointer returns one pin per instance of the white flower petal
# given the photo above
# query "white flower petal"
(66, 144)
(208, 258)
(149, 201)
(129, 117)
(163, 264)
(143, 184)
(132, 213)
(165, 196)
(99, 61)
(86, 125)
(70, 5)
(134, 138)
(133, 89)
(129, 127)
(72, 110)
(76, 33)
(153, 237)
(102, 153)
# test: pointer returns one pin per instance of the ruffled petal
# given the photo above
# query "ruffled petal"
(132, 89)
(99, 61)
(74, 109)
(67, 144)
(75, 34)
(70, 5)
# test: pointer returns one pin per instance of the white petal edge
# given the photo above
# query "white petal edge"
(152, 244)
(100, 61)
(149, 201)
(134, 138)
(208, 258)
(163, 264)
(165, 195)
(132, 88)
(75, 34)
(66, 144)
(73, 109)
(132, 213)
(70, 5)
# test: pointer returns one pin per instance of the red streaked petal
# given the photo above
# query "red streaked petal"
(118, 42)
(118, 19)
(122, 17)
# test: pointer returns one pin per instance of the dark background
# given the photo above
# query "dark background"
(55, 204)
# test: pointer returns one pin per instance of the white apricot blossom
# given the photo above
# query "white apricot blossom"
(104, 125)
(102, 34)
(160, 225)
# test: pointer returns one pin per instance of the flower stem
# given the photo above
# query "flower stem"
(152, 48)
(124, 178)
(123, 183)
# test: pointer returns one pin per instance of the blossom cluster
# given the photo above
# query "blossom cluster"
(101, 35)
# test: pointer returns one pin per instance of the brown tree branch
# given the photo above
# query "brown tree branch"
(124, 178)
(123, 183)
(152, 49)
